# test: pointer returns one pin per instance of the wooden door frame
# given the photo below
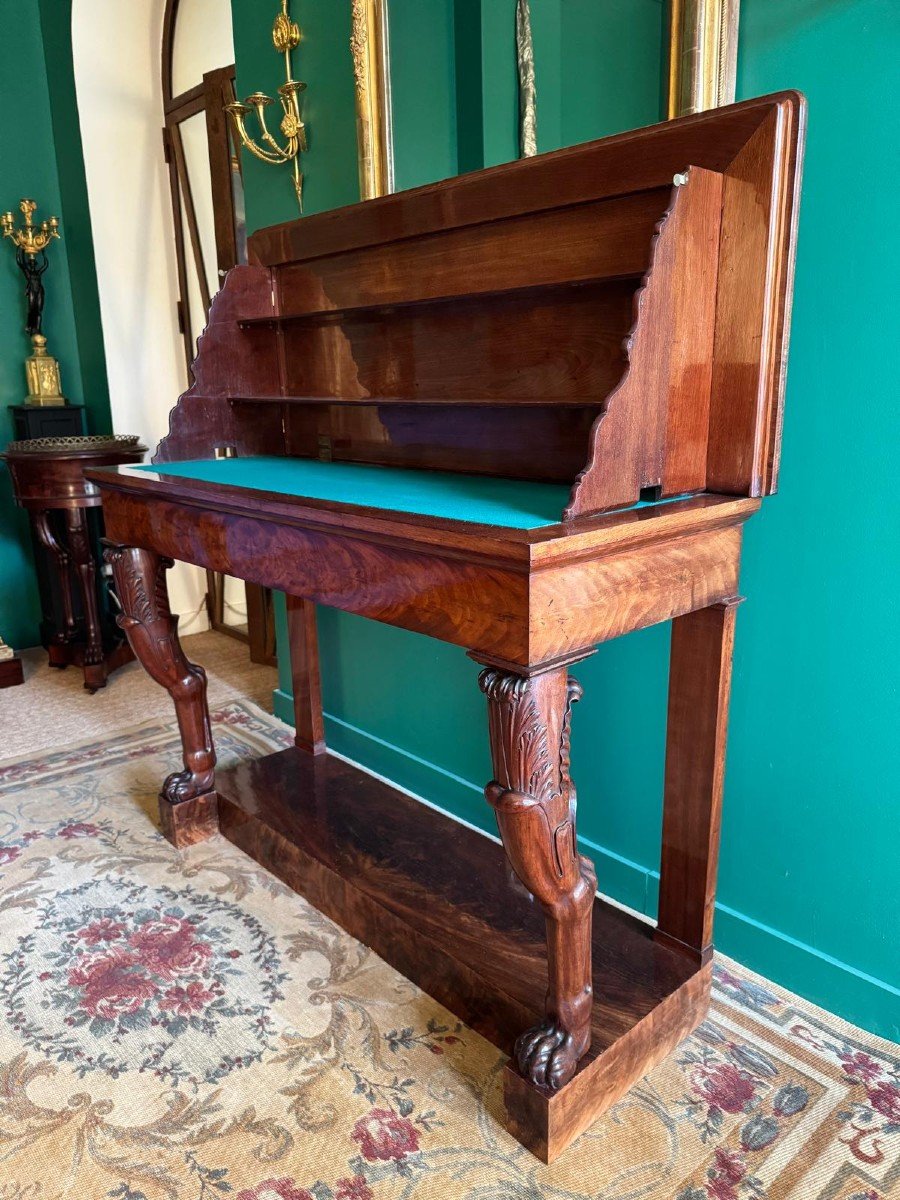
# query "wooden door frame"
(215, 90)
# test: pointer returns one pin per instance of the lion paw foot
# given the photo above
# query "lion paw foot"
(185, 785)
(547, 1055)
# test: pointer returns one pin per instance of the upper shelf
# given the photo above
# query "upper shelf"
(612, 317)
(427, 401)
(380, 311)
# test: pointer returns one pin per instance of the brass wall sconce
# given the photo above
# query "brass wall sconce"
(31, 242)
(285, 38)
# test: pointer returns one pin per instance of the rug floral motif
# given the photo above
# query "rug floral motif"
(181, 1026)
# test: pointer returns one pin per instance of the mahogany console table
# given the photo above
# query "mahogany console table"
(523, 411)
(48, 481)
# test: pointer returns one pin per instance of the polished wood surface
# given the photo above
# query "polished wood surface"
(612, 317)
(460, 925)
(342, 340)
(306, 679)
(699, 692)
(491, 599)
(532, 795)
(152, 630)
(55, 478)
(346, 825)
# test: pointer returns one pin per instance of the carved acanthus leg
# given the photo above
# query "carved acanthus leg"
(187, 804)
(533, 797)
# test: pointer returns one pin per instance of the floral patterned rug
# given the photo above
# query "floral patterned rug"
(180, 1026)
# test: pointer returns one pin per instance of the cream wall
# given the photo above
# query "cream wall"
(117, 77)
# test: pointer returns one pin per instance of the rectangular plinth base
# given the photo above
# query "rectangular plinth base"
(438, 901)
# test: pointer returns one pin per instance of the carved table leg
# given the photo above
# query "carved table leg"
(699, 689)
(94, 664)
(188, 800)
(533, 797)
(60, 648)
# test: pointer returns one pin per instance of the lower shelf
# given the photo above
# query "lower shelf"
(438, 901)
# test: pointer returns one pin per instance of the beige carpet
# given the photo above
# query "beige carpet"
(183, 1027)
(52, 708)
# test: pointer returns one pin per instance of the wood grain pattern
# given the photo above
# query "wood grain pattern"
(309, 726)
(188, 822)
(152, 631)
(609, 239)
(699, 691)
(229, 361)
(548, 1124)
(476, 326)
(460, 926)
(45, 479)
(653, 428)
(533, 798)
(558, 347)
(638, 160)
(469, 604)
(759, 226)
(591, 602)
(373, 305)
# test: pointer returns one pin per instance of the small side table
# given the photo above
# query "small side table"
(48, 475)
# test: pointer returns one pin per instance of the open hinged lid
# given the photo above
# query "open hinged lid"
(612, 317)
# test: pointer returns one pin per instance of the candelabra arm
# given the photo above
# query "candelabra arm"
(238, 112)
(285, 37)
(270, 141)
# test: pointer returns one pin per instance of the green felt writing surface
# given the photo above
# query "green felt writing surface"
(513, 503)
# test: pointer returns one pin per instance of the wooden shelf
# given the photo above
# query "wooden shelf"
(437, 900)
(424, 401)
(381, 310)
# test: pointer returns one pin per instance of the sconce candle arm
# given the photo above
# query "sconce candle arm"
(285, 37)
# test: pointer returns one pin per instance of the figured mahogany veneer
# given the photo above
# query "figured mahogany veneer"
(478, 324)
(457, 924)
(612, 317)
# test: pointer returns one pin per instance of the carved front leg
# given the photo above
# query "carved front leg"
(152, 631)
(533, 797)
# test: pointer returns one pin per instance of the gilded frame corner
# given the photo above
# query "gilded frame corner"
(702, 54)
(370, 50)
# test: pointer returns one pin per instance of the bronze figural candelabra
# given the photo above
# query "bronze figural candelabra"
(31, 242)
(285, 38)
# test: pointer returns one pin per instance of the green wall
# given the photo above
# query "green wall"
(40, 153)
(811, 839)
(454, 83)
(808, 884)
(322, 61)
